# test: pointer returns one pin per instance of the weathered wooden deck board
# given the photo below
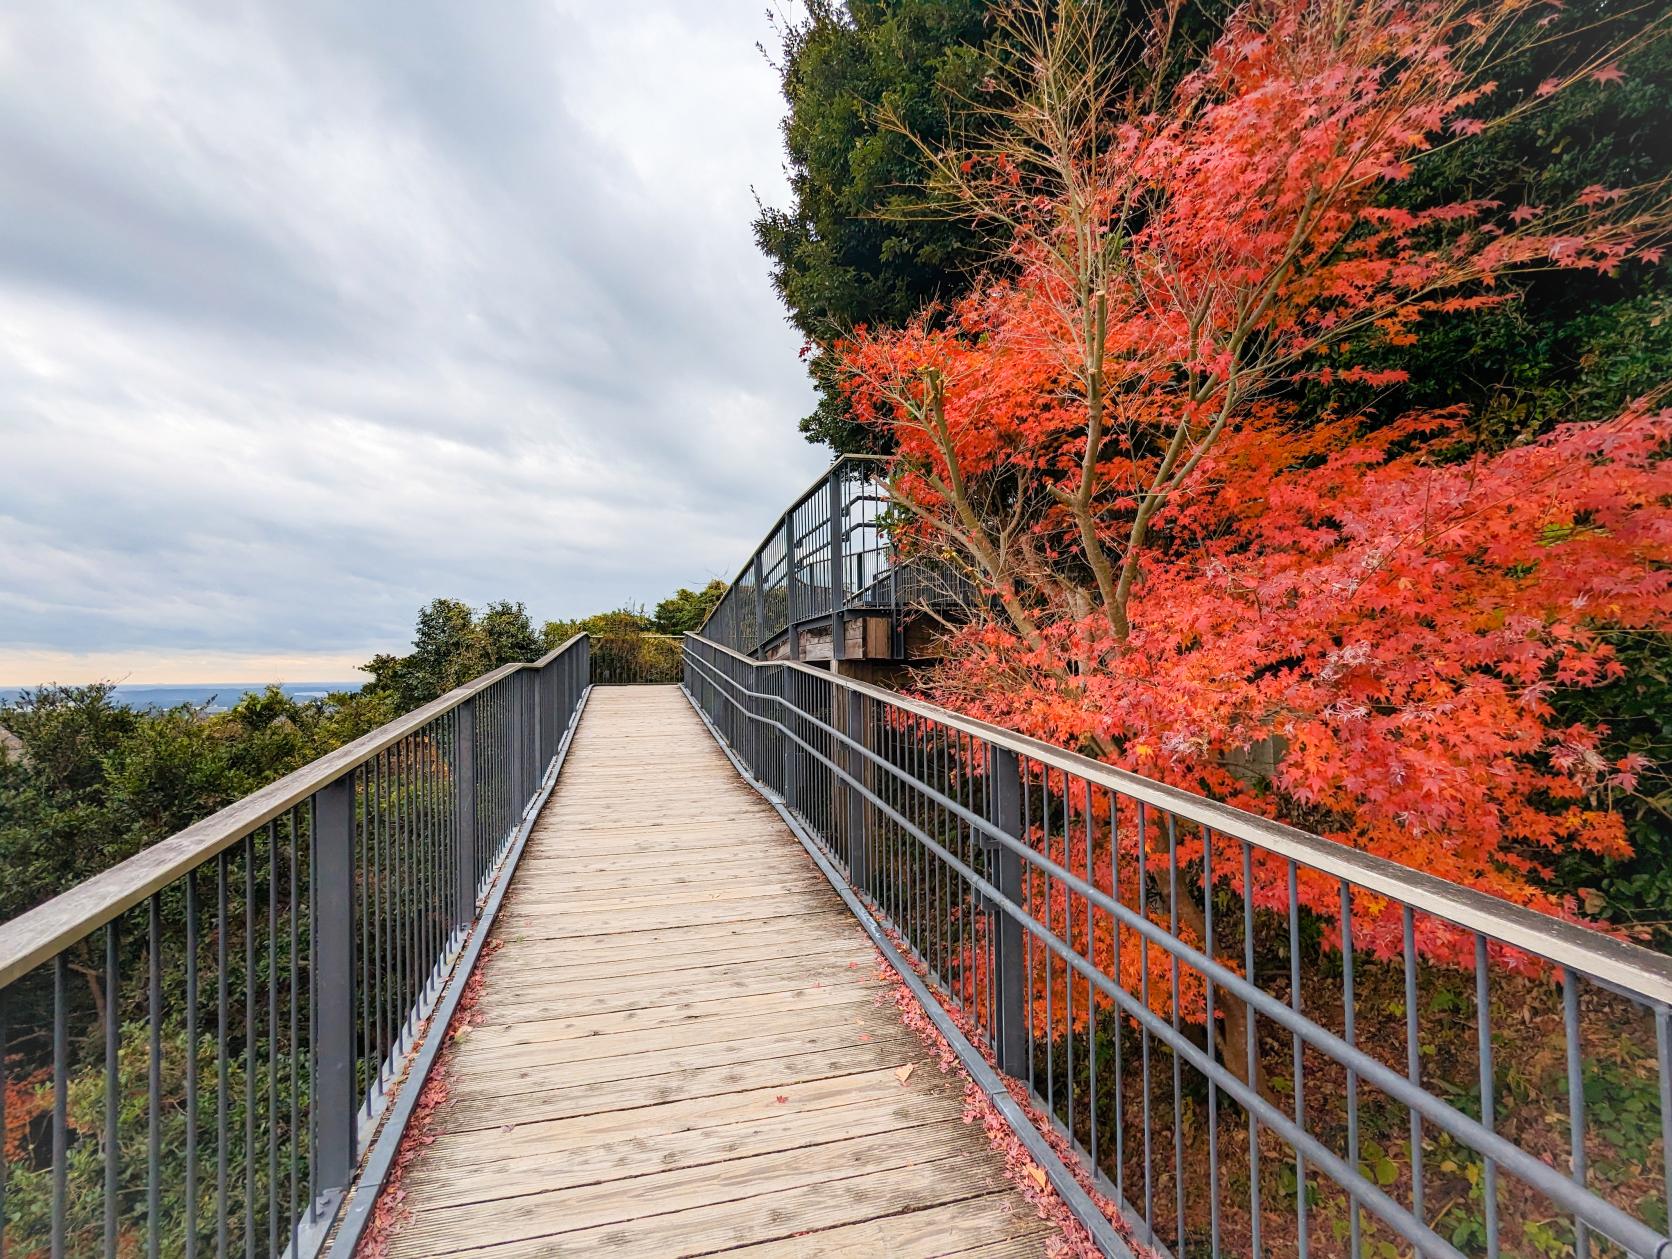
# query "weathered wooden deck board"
(683, 1049)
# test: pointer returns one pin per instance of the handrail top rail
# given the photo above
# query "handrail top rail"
(37, 934)
(778, 524)
(1630, 967)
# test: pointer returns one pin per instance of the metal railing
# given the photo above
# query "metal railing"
(828, 554)
(1232, 1020)
(635, 659)
(826, 548)
(223, 1021)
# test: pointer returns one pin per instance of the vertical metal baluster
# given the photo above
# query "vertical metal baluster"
(988, 866)
(1251, 1044)
(914, 846)
(891, 897)
(413, 798)
(1663, 1051)
(112, 1110)
(1045, 950)
(272, 1037)
(1119, 1018)
(926, 860)
(412, 794)
(313, 999)
(1208, 1046)
(1029, 875)
(1349, 1018)
(1143, 999)
(1576, 1101)
(1488, 1088)
(250, 1056)
(4, 1170)
(407, 870)
(193, 944)
(60, 1099)
(397, 931)
(1178, 1063)
(295, 1045)
(442, 816)
(1413, 1053)
(1091, 994)
(154, 1084)
(427, 831)
(380, 960)
(1068, 966)
(1299, 1058)
(360, 820)
(222, 1000)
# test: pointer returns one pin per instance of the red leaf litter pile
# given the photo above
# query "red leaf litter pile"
(1072, 1240)
(391, 1211)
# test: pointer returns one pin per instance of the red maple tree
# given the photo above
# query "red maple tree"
(1180, 561)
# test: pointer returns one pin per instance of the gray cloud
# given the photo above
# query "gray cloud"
(311, 312)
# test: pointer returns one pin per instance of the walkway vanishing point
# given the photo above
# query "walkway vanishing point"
(683, 1047)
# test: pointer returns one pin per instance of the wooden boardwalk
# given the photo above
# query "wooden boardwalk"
(683, 1050)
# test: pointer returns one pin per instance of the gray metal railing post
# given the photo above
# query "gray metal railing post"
(1004, 869)
(853, 725)
(756, 729)
(838, 591)
(789, 749)
(792, 637)
(333, 1084)
(531, 732)
(464, 778)
(760, 606)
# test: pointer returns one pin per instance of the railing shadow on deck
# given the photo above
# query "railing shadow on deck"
(224, 1020)
(1088, 927)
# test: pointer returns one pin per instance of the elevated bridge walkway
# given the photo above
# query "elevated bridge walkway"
(554, 966)
(683, 1044)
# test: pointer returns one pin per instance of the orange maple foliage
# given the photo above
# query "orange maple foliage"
(1178, 563)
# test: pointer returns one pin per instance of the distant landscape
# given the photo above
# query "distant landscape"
(214, 697)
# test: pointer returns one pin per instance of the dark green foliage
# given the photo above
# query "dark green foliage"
(686, 610)
(838, 258)
(1637, 710)
(451, 645)
(1565, 345)
(96, 782)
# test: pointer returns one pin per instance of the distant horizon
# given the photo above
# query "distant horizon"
(335, 683)
(213, 697)
(26, 669)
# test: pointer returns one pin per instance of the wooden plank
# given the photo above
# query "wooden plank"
(489, 1107)
(531, 1212)
(684, 1045)
(477, 1180)
(988, 1227)
(515, 1067)
(724, 1226)
(877, 1090)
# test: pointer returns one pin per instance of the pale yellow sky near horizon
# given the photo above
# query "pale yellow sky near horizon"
(23, 667)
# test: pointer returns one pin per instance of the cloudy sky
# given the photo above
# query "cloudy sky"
(311, 312)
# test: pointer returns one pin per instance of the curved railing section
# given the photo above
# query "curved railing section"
(829, 561)
(826, 550)
(224, 1020)
(1232, 1021)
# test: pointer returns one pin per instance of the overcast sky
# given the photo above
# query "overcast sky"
(313, 311)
